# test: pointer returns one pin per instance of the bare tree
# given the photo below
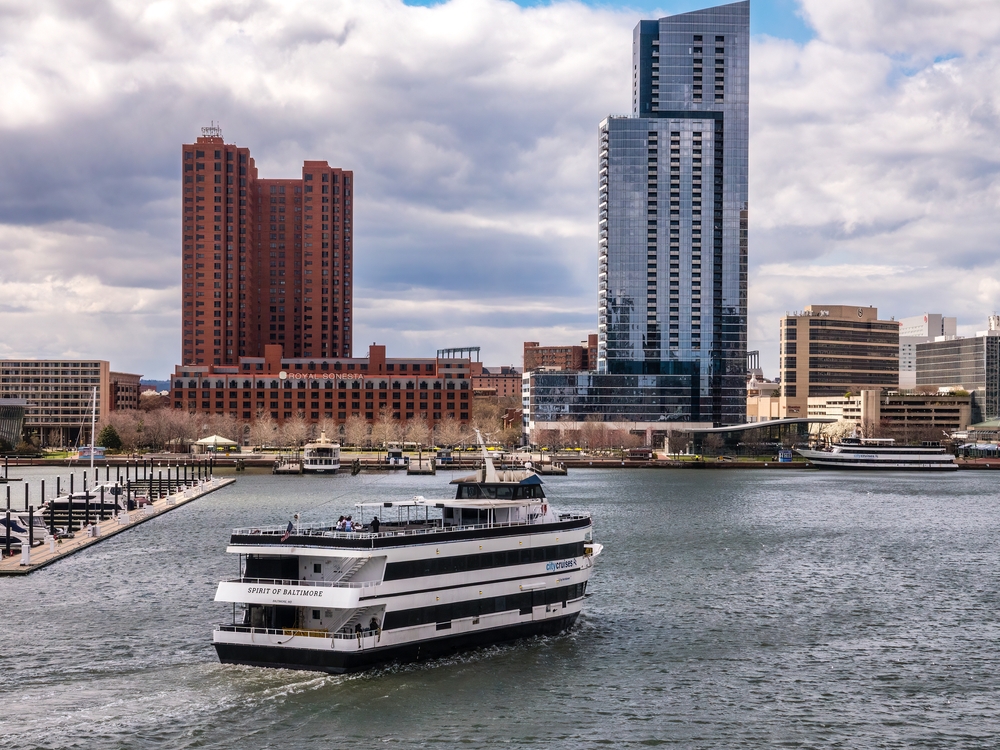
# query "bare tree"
(386, 428)
(356, 431)
(449, 432)
(263, 430)
(677, 441)
(417, 431)
(295, 431)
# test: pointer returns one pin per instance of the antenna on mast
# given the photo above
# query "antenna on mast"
(212, 131)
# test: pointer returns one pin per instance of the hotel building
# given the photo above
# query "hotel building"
(328, 389)
(829, 350)
(265, 261)
(57, 395)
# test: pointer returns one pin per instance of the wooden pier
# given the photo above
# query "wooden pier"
(52, 550)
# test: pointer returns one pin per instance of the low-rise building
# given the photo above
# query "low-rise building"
(651, 405)
(575, 358)
(501, 382)
(763, 398)
(901, 415)
(328, 389)
(59, 393)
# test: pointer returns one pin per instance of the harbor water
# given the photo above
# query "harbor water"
(729, 609)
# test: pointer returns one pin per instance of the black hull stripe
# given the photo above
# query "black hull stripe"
(339, 662)
(470, 584)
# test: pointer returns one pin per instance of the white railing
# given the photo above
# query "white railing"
(326, 532)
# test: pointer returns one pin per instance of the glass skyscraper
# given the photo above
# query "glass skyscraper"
(673, 214)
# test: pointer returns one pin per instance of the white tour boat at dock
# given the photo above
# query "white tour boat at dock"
(493, 564)
(882, 454)
(321, 456)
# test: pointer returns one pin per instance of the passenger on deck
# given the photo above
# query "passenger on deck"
(375, 524)
(357, 632)
(340, 523)
(348, 526)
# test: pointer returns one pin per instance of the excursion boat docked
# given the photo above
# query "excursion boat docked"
(881, 453)
(493, 564)
(321, 456)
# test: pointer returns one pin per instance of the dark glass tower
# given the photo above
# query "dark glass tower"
(673, 212)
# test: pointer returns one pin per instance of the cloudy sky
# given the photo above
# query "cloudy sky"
(471, 126)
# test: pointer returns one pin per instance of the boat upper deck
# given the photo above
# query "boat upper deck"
(397, 534)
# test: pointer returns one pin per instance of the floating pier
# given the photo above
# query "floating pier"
(53, 549)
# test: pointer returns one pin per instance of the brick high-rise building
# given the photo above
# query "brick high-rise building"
(265, 261)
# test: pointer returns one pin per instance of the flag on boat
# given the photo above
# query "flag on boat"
(288, 532)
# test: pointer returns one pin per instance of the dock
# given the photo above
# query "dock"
(52, 550)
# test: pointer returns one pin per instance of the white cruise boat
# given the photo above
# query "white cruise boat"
(321, 456)
(884, 454)
(493, 564)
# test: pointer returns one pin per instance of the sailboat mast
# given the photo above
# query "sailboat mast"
(93, 426)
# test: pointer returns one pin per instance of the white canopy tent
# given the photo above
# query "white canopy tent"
(214, 443)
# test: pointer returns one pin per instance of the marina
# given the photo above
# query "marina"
(52, 549)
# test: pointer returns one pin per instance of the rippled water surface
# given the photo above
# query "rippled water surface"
(729, 609)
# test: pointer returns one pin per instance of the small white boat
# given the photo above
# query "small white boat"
(321, 456)
(882, 454)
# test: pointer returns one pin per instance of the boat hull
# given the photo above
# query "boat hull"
(847, 462)
(320, 469)
(337, 662)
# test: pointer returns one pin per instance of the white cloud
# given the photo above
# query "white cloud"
(471, 127)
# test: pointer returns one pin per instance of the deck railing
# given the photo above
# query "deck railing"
(327, 530)
(339, 635)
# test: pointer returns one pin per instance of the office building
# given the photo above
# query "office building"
(265, 261)
(57, 395)
(284, 388)
(919, 329)
(673, 212)
(970, 364)
(829, 350)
